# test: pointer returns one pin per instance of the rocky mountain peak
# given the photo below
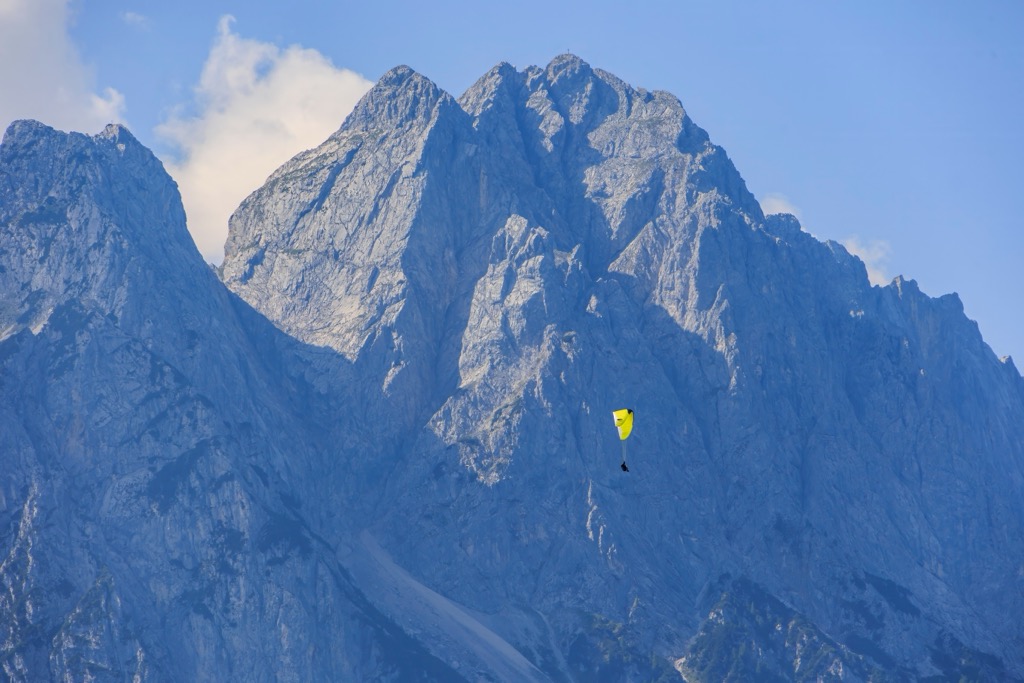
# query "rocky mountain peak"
(402, 97)
(398, 75)
(565, 239)
(567, 70)
(413, 472)
(119, 134)
(500, 84)
(87, 217)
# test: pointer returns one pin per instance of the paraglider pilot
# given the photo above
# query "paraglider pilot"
(624, 423)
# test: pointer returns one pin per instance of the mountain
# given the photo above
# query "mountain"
(380, 446)
(159, 441)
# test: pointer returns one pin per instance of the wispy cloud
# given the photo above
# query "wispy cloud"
(135, 19)
(874, 254)
(257, 106)
(43, 77)
(774, 202)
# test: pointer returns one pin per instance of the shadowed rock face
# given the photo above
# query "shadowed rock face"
(413, 472)
(161, 442)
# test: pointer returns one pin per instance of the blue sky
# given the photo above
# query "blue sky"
(893, 127)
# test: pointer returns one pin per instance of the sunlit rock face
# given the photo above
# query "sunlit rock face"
(385, 450)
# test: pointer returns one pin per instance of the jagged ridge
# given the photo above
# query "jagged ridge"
(588, 247)
(468, 288)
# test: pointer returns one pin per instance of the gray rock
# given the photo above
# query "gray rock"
(588, 248)
(412, 473)
(162, 448)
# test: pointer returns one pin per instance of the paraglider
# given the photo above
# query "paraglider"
(624, 423)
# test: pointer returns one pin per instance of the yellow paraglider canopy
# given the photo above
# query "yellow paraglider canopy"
(624, 422)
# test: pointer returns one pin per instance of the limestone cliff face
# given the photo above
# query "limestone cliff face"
(159, 439)
(561, 244)
(414, 471)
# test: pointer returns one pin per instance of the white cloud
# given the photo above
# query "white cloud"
(874, 254)
(773, 202)
(42, 76)
(258, 105)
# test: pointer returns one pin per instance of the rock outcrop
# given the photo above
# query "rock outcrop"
(400, 462)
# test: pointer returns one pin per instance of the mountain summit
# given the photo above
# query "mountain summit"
(413, 472)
